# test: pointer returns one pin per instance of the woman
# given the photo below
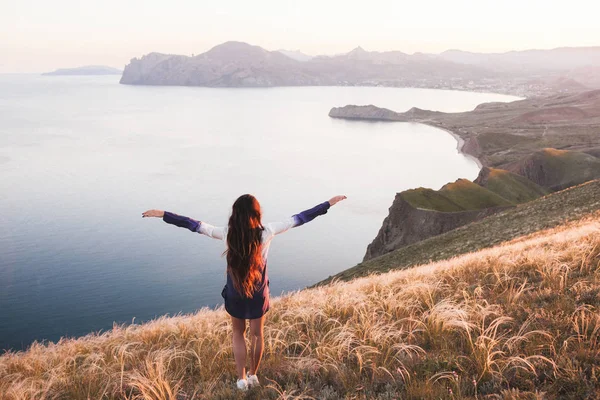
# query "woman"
(246, 293)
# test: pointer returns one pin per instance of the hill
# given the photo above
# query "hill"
(86, 70)
(558, 169)
(514, 321)
(546, 212)
(421, 213)
(512, 187)
(471, 196)
(492, 188)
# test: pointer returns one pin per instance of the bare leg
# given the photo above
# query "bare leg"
(239, 346)
(256, 342)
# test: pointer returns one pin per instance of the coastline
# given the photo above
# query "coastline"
(460, 143)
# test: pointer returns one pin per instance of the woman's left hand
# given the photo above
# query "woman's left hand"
(153, 213)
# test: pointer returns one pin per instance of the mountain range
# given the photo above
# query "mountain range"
(238, 64)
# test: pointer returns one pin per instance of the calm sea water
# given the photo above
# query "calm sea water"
(82, 157)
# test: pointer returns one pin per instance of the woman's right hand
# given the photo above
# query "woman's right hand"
(334, 200)
(153, 213)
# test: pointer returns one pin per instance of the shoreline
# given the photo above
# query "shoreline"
(460, 143)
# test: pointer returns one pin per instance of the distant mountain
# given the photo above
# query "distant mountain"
(237, 64)
(230, 64)
(86, 70)
(296, 55)
(564, 58)
(240, 64)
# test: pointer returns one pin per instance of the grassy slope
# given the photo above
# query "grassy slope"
(542, 213)
(569, 167)
(457, 196)
(512, 187)
(471, 196)
(516, 321)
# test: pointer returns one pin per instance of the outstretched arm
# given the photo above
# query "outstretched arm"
(304, 217)
(186, 222)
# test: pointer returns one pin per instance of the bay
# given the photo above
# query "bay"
(82, 157)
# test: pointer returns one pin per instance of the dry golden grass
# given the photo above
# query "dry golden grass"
(518, 321)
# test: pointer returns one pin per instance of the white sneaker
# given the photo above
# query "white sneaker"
(242, 384)
(253, 380)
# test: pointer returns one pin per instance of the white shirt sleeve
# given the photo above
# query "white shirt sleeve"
(279, 227)
(215, 232)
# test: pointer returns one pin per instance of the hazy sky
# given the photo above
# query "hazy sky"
(41, 35)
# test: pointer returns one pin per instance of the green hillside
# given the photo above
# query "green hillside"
(471, 196)
(543, 213)
(558, 169)
(514, 188)
(461, 195)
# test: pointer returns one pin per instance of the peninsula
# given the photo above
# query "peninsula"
(86, 70)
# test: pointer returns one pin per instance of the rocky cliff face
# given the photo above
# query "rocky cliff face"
(406, 224)
(138, 68)
(419, 214)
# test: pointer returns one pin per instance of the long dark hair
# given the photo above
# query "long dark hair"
(244, 245)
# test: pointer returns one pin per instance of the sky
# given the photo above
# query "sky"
(42, 35)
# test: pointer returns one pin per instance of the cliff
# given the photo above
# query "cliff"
(524, 219)
(406, 224)
(419, 214)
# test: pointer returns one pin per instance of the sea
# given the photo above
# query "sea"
(82, 157)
